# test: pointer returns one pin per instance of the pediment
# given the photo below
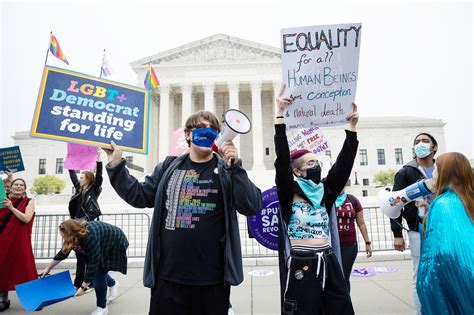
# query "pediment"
(215, 49)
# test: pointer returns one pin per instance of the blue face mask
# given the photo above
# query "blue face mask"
(204, 137)
(422, 150)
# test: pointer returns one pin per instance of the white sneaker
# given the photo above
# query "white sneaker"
(100, 311)
(113, 292)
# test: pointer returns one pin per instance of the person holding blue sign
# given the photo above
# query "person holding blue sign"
(17, 263)
(105, 246)
(193, 254)
(311, 275)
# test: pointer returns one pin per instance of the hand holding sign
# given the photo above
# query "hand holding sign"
(353, 118)
(114, 155)
(282, 101)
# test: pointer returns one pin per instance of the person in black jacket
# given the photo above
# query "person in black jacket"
(311, 277)
(421, 167)
(193, 252)
(88, 186)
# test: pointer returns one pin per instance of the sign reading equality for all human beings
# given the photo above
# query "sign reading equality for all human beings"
(83, 109)
(320, 70)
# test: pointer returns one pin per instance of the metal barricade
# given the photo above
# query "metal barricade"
(47, 242)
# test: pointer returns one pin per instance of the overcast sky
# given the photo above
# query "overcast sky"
(415, 59)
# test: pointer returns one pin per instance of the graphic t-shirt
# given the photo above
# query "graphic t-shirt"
(307, 221)
(192, 229)
(346, 214)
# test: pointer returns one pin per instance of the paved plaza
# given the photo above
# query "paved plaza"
(382, 293)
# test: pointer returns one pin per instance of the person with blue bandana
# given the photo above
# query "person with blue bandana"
(193, 253)
(311, 277)
(421, 167)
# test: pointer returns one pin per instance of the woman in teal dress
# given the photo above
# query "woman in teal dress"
(445, 282)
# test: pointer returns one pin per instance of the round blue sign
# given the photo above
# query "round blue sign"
(264, 225)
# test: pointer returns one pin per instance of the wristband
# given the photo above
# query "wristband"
(280, 117)
(368, 243)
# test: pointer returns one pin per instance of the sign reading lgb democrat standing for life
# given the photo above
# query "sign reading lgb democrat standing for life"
(78, 108)
(320, 70)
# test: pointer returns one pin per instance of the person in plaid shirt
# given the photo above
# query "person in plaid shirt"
(105, 246)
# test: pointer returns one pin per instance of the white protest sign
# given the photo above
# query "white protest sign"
(320, 70)
(311, 139)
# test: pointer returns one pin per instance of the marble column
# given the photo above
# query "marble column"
(233, 88)
(164, 124)
(257, 125)
(187, 108)
(276, 90)
(209, 104)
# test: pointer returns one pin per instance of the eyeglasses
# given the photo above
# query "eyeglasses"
(311, 163)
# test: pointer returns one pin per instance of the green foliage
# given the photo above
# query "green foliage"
(385, 178)
(47, 184)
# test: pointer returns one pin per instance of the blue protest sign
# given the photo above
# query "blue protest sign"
(40, 293)
(264, 225)
(78, 108)
(10, 159)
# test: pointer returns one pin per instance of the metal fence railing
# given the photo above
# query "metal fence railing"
(47, 241)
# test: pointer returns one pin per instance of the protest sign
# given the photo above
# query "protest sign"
(3, 193)
(264, 225)
(178, 143)
(80, 157)
(10, 160)
(311, 139)
(320, 70)
(36, 294)
(83, 109)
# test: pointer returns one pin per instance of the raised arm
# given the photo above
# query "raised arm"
(97, 184)
(340, 172)
(74, 180)
(284, 174)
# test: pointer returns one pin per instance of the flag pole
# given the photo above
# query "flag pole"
(101, 65)
(47, 51)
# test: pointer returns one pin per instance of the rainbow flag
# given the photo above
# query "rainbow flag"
(56, 50)
(106, 69)
(151, 80)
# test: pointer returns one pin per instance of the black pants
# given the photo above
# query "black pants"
(169, 298)
(311, 291)
(349, 254)
(80, 269)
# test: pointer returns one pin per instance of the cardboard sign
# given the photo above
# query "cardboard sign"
(311, 139)
(264, 225)
(83, 109)
(320, 70)
(10, 159)
(40, 293)
(80, 157)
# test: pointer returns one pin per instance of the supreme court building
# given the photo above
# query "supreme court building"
(223, 72)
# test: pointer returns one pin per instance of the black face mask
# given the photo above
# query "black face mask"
(314, 174)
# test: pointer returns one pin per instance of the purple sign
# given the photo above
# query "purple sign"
(264, 225)
(362, 272)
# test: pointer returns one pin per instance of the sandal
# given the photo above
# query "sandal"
(4, 305)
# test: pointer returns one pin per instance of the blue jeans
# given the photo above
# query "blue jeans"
(102, 280)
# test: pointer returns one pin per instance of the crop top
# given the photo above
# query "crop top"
(308, 222)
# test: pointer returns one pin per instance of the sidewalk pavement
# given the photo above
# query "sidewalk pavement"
(382, 293)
